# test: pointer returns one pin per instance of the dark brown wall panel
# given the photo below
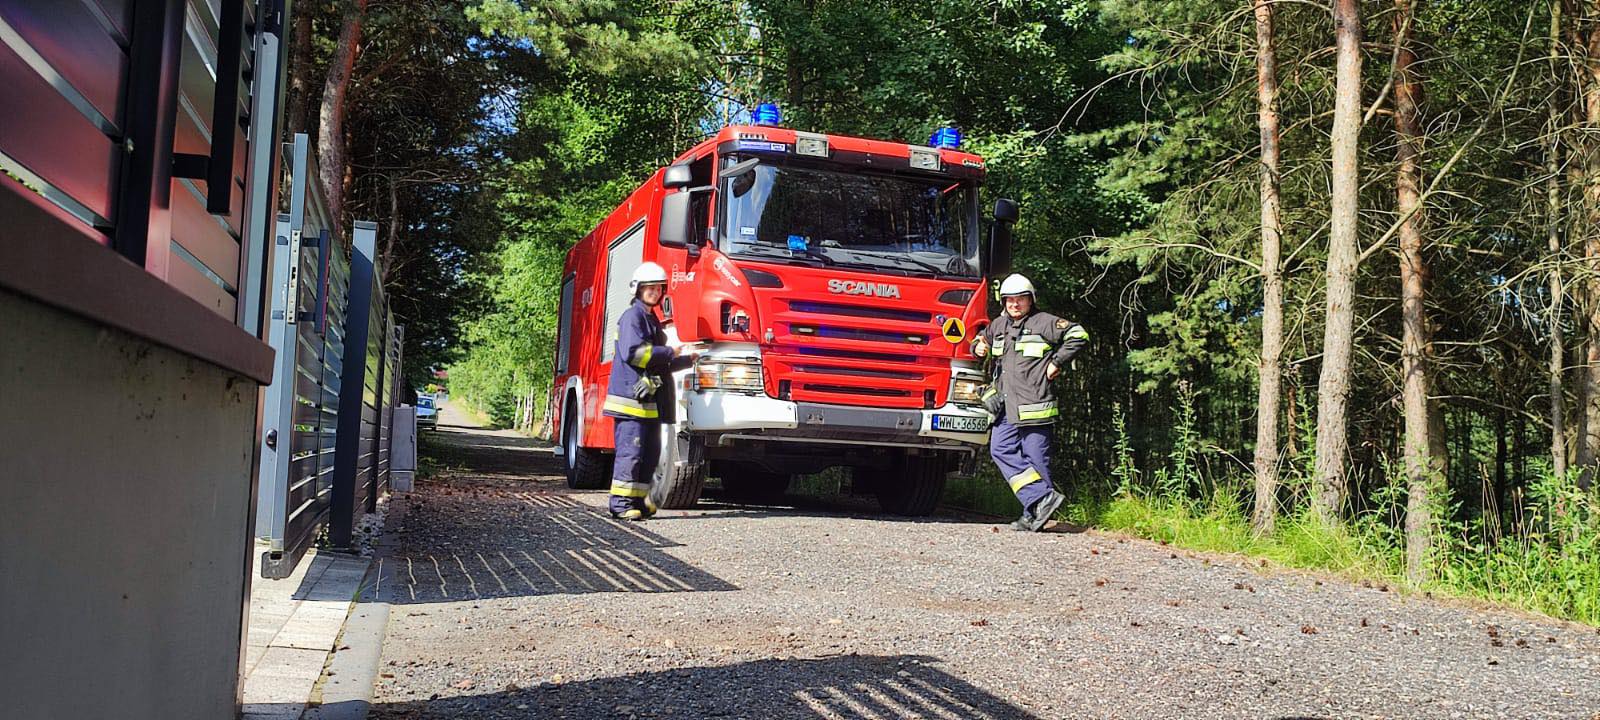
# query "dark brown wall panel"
(119, 12)
(53, 139)
(189, 281)
(67, 35)
(199, 233)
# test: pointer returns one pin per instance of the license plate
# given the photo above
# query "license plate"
(960, 423)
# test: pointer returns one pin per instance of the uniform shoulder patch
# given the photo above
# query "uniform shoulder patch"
(1063, 324)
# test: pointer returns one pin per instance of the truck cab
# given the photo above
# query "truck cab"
(836, 282)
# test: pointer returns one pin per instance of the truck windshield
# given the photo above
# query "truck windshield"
(905, 225)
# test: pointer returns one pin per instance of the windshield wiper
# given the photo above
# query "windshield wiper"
(935, 269)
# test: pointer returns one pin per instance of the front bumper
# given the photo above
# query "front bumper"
(728, 413)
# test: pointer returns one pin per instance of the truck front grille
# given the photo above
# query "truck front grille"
(853, 390)
(813, 307)
(849, 333)
(859, 372)
(856, 355)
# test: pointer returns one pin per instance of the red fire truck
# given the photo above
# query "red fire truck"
(837, 283)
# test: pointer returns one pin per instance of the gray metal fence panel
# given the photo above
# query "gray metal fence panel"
(310, 282)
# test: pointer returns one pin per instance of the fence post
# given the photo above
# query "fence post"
(347, 450)
(144, 214)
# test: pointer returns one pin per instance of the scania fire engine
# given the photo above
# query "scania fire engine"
(835, 282)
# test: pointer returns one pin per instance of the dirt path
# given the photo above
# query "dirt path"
(516, 598)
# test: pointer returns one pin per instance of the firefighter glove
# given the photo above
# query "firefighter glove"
(646, 387)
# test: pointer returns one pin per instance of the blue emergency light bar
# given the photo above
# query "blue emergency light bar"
(946, 137)
(766, 114)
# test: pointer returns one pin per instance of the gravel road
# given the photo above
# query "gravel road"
(513, 597)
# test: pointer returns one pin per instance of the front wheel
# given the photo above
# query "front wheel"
(682, 473)
(587, 469)
(913, 486)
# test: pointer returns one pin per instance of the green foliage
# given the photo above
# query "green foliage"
(1550, 563)
(1126, 472)
(605, 36)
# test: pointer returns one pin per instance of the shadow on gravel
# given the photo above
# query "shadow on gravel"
(465, 544)
(831, 507)
(849, 686)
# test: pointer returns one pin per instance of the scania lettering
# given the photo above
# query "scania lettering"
(849, 287)
(833, 281)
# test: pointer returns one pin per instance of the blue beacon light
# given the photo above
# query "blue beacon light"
(946, 137)
(766, 114)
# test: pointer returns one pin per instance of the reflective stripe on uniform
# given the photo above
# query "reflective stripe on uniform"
(1023, 479)
(1077, 333)
(1031, 349)
(631, 407)
(1032, 345)
(630, 489)
(640, 358)
(1038, 411)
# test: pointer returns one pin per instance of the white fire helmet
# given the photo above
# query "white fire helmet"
(647, 274)
(1015, 284)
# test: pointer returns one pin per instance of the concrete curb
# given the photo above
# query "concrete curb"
(348, 683)
(295, 624)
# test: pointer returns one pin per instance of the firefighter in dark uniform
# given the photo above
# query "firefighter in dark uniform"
(1030, 349)
(639, 369)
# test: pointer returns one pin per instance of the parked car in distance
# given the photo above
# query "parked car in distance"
(427, 412)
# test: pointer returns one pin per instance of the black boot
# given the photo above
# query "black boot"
(1043, 511)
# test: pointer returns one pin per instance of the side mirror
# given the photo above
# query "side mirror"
(1005, 210)
(1001, 239)
(674, 230)
(677, 176)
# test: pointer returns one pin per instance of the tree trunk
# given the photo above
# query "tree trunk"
(385, 264)
(1590, 35)
(330, 119)
(1520, 452)
(299, 72)
(1333, 388)
(1271, 368)
(1291, 433)
(1502, 447)
(1414, 362)
(1552, 166)
(1580, 419)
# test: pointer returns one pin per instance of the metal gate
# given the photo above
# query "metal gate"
(300, 414)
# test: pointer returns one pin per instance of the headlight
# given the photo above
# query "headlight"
(966, 391)
(731, 375)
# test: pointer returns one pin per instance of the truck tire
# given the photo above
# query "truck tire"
(747, 485)
(587, 468)
(913, 487)
(679, 485)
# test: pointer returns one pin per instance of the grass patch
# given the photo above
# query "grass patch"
(1551, 567)
(1300, 541)
(1559, 577)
